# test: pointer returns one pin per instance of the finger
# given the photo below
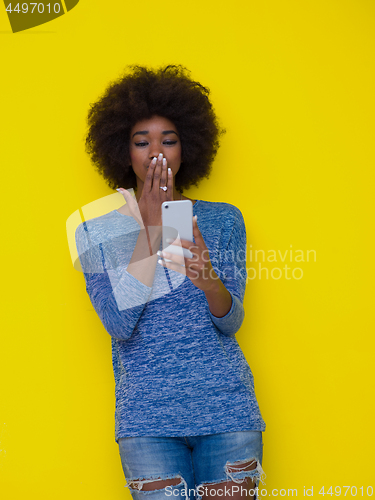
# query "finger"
(163, 179)
(173, 266)
(128, 197)
(157, 174)
(196, 233)
(125, 193)
(170, 185)
(122, 191)
(177, 259)
(188, 260)
(150, 174)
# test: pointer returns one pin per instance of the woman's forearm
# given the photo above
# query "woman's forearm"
(218, 298)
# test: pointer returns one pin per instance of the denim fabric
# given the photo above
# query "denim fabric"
(196, 460)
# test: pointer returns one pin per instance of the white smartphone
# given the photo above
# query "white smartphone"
(177, 219)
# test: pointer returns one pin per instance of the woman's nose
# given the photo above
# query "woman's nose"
(155, 150)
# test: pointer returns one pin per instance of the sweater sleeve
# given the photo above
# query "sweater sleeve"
(233, 274)
(117, 297)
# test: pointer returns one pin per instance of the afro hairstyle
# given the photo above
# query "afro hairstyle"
(142, 93)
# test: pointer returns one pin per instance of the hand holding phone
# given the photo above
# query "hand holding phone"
(177, 220)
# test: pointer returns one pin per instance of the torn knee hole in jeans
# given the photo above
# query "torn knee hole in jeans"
(154, 483)
(242, 469)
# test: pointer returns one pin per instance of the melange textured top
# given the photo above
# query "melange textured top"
(178, 369)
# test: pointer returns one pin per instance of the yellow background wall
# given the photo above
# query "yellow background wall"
(293, 83)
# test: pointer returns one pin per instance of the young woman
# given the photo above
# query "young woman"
(187, 421)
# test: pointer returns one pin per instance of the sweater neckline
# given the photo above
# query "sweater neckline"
(123, 215)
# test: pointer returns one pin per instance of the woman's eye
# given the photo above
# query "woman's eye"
(167, 143)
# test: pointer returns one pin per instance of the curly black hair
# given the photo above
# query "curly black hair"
(139, 94)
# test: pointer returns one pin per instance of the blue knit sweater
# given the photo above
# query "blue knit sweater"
(178, 369)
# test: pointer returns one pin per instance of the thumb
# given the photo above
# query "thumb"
(125, 193)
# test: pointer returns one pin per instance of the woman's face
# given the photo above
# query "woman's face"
(149, 138)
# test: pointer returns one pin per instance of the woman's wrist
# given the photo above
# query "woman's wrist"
(153, 238)
(218, 298)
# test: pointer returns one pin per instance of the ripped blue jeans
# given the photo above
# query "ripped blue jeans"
(194, 463)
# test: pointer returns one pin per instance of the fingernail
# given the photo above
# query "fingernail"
(159, 253)
(164, 162)
(119, 190)
(195, 218)
(160, 262)
(169, 171)
(160, 156)
(154, 160)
